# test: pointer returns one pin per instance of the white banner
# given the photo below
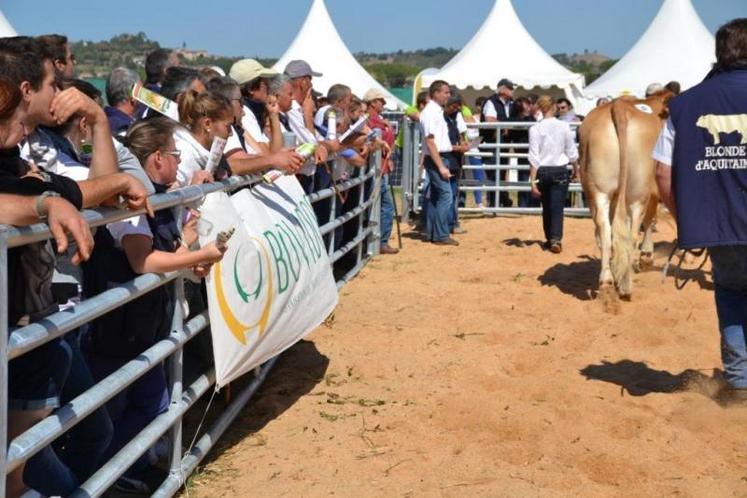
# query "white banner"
(274, 284)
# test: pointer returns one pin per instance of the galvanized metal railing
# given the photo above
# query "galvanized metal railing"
(24, 339)
(496, 156)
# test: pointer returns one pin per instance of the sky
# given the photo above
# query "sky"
(266, 28)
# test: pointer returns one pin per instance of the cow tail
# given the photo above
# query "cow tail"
(621, 263)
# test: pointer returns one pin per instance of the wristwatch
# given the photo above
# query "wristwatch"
(39, 208)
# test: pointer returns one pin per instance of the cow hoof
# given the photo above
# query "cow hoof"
(625, 297)
(646, 261)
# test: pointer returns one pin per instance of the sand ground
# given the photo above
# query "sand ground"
(491, 370)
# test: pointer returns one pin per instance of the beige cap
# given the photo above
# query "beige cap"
(374, 94)
(247, 70)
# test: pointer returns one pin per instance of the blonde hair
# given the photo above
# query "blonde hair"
(545, 103)
(146, 137)
(193, 106)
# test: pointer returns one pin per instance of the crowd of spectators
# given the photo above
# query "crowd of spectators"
(62, 150)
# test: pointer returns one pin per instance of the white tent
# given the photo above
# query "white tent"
(676, 46)
(6, 30)
(503, 48)
(319, 44)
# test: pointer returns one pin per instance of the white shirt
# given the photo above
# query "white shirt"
(137, 225)
(490, 111)
(250, 125)
(664, 149)
(551, 144)
(233, 143)
(193, 159)
(319, 117)
(39, 149)
(433, 124)
(303, 135)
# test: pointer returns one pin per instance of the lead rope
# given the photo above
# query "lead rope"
(680, 283)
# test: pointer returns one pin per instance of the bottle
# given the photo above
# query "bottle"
(306, 151)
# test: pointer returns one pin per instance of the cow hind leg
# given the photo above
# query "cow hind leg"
(604, 237)
(625, 282)
(646, 259)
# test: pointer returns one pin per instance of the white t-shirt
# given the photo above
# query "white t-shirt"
(137, 225)
(193, 159)
(664, 149)
(303, 135)
(251, 126)
(433, 124)
(233, 143)
(319, 117)
(551, 143)
(39, 149)
(489, 111)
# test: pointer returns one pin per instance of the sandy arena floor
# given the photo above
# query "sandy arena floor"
(489, 370)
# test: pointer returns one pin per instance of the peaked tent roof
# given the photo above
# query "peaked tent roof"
(480, 64)
(6, 30)
(319, 44)
(676, 46)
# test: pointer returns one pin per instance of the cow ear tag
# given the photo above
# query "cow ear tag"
(644, 108)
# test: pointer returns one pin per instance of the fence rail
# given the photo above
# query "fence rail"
(498, 156)
(18, 341)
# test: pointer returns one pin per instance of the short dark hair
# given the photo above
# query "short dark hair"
(456, 97)
(22, 59)
(155, 65)
(563, 100)
(178, 79)
(674, 87)
(533, 97)
(436, 86)
(55, 46)
(422, 98)
(731, 43)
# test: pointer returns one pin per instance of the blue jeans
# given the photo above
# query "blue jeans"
(439, 203)
(387, 210)
(731, 307)
(454, 185)
(424, 196)
(479, 176)
(83, 446)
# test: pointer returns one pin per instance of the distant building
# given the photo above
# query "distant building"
(192, 55)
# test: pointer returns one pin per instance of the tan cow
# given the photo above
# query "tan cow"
(618, 176)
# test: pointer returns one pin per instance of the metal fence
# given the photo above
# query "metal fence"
(499, 156)
(365, 243)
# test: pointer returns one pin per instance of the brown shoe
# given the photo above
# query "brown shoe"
(556, 247)
(446, 242)
(387, 249)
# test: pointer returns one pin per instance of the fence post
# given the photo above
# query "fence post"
(498, 172)
(176, 364)
(406, 185)
(3, 358)
(374, 241)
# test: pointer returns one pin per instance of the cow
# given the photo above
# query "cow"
(729, 123)
(618, 178)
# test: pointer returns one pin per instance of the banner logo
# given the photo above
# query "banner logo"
(236, 327)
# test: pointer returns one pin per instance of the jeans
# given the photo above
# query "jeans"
(387, 210)
(84, 445)
(133, 408)
(424, 196)
(439, 203)
(479, 176)
(731, 307)
(454, 185)
(553, 185)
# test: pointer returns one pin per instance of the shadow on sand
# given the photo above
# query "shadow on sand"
(578, 279)
(638, 379)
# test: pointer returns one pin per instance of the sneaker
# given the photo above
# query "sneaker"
(131, 486)
(459, 231)
(556, 247)
(387, 249)
(446, 242)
